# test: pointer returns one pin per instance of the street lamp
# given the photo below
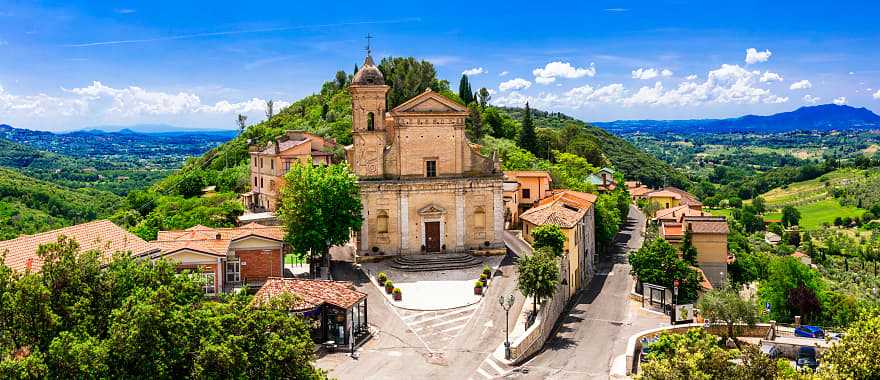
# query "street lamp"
(506, 304)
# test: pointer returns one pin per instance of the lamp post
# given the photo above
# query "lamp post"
(506, 304)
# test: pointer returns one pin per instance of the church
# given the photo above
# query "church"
(425, 188)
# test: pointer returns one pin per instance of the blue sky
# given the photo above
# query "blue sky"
(74, 64)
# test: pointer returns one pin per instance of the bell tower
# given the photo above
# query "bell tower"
(368, 91)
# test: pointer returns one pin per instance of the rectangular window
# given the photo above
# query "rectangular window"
(286, 166)
(527, 193)
(233, 271)
(261, 182)
(430, 168)
(208, 283)
(255, 181)
(272, 164)
(261, 162)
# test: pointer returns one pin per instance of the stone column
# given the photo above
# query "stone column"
(365, 231)
(498, 215)
(404, 222)
(459, 220)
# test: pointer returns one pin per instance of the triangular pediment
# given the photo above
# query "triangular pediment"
(432, 209)
(429, 102)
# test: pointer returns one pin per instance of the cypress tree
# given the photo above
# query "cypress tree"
(464, 90)
(527, 138)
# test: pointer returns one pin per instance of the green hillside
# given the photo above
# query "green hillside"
(29, 205)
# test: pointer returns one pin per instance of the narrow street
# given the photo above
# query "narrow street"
(602, 319)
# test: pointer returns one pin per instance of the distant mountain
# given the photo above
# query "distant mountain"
(826, 117)
(154, 128)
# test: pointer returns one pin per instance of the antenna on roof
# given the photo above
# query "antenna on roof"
(369, 37)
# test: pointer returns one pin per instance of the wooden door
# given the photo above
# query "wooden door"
(432, 236)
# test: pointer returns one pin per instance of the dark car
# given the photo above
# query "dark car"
(809, 332)
(806, 357)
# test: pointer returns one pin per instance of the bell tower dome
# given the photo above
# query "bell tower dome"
(368, 92)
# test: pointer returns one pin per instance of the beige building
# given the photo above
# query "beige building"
(709, 237)
(424, 187)
(574, 213)
(271, 162)
(523, 189)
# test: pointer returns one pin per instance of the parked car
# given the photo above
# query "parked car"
(770, 350)
(806, 357)
(807, 331)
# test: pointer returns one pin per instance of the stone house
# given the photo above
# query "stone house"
(229, 258)
(424, 187)
(531, 186)
(271, 162)
(574, 213)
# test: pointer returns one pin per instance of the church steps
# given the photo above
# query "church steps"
(435, 262)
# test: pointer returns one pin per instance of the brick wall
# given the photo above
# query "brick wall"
(257, 265)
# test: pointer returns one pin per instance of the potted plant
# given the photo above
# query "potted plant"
(484, 278)
(389, 286)
(397, 294)
(382, 278)
(478, 288)
(487, 271)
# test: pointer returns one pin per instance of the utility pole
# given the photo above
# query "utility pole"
(506, 304)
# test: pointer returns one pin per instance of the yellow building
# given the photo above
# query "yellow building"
(424, 187)
(271, 162)
(574, 213)
(669, 197)
(531, 186)
(709, 238)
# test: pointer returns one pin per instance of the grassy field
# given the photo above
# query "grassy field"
(725, 212)
(812, 215)
(293, 259)
(806, 192)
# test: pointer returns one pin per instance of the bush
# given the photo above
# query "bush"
(478, 284)
(483, 277)
(487, 271)
(396, 291)
(382, 278)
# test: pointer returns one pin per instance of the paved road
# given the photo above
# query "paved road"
(600, 322)
(452, 344)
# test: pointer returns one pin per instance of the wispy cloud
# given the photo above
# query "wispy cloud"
(244, 31)
(616, 9)
(266, 61)
(124, 11)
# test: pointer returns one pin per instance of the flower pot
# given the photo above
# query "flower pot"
(398, 296)
(478, 291)
(388, 290)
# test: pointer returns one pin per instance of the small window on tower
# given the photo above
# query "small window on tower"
(382, 222)
(370, 118)
(430, 168)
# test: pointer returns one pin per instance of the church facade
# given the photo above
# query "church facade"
(424, 187)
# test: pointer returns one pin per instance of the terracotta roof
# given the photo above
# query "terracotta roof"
(527, 173)
(310, 293)
(100, 235)
(686, 198)
(798, 255)
(707, 224)
(676, 213)
(639, 191)
(664, 194)
(564, 208)
(672, 229)
(213, 240)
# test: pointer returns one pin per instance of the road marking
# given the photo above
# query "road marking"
(445, 322)
(457, 311)
(493, 365)
(416, 315)
(484, 373)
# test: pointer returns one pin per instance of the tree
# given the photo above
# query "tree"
(474, 124)
(241, 121)
(407, 78)
(570, 172)
(854, 356)
(270, 109)
(191, 184)
(341, 79)
(790, 216)
(726, 306)
(657, 263)
(464, 90)
(607, 220)
(586, 148)
(484, 97)
(538, 275)
(549, 235)
(527, 138)
(688, 251)
(791, 289)
(692, 355)
(759, 205)
(320, 206)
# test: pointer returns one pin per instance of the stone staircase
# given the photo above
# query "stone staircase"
(435, 262)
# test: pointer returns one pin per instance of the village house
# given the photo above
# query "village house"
(228, 258)
(669, 197)
(574, 213)
(338, 312)
(637, 190)
(675, 214)
(271, 162)
(100, 235)
(603, 180)
(530, 187)
(424, 187)
(708, 237)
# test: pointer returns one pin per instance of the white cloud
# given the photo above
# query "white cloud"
(562, 69)
(491, 91)
(876, 94)
(650, 73)
(616, 9)
(852, 73)
(503, 73)
(515, 84)
(840, 100)
(125, 11)
(666, 73)
(545, 80)
(754, 56)
(474, 71)
(811, 99)
(771, 77)
(801, 85)
(692, 77)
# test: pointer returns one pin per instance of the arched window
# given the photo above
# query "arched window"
(370, 119)
(382, 222)
(479, 218)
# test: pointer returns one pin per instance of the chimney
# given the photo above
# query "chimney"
(276, 146)
(29, 264)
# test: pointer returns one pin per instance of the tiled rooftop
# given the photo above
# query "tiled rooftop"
(310, 293)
